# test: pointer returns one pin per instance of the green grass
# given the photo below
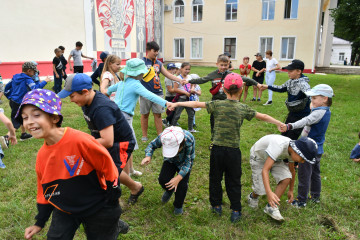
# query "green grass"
(149, 219)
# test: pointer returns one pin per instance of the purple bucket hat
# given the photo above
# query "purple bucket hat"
(44, 99)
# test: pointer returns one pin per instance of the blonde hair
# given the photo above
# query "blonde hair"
(110, 60)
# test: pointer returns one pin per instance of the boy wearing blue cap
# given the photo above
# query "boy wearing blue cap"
(315, 126)
(268, 155)
(98, 71)
(106, 123)
(77, 181)
(127, 95)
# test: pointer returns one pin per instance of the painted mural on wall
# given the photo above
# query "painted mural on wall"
(117, 18)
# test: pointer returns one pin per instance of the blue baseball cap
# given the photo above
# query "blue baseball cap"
(104, 55)
(75, 82)
(171, 66)
(321, 90)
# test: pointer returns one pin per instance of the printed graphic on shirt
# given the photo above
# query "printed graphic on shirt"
(157, 78)
(71, 164)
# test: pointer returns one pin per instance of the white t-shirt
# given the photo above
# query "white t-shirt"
(111, 78)
(76, 54)
(273, 145)
(271, 63)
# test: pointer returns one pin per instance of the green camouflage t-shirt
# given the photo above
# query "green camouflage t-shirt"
(229, 116)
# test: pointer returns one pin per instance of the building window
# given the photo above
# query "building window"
(268, 9)
(179, 48)
(196, 48)
(230, 46)
(179, 11)
(341, 56)
(197, 8)
(231, 10)
(287, 48)
(266, 43)
(291, 9)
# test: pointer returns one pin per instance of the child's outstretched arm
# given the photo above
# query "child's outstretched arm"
(191, 104)
(269, 119)
(10, 127)
(149, 151)
(309, 120)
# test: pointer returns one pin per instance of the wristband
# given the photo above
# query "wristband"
(288, 126)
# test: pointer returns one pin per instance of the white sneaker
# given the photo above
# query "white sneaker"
(267, 103)
(136, 173)
(253, 202)
(273, 212)
(193, 131)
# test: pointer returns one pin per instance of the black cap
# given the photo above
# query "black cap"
(306, 148)
(258, 54)
(295, 64)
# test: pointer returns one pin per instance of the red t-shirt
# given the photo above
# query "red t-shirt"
(243, 67)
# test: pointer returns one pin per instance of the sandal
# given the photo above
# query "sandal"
(134, 197)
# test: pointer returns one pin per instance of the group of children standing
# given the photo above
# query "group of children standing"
(90, 169)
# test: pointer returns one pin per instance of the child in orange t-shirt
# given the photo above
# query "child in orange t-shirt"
(76, 177)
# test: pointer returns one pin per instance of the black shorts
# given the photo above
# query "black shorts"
(14, 108)
(78, 69)
(120, 153)
(259, 79)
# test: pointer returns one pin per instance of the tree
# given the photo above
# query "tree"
(347, 25)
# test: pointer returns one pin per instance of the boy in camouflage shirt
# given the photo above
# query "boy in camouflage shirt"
(225, 156)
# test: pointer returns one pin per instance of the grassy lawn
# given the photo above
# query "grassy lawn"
(336, 217)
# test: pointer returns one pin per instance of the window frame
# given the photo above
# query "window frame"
(272, 45)
(291, 8)
(343, 56)
(202, 47)
(179, 6)
(268, 9)
(232, 57)
(174, 45)
(192, 11)
(237, 5)
(287, 51)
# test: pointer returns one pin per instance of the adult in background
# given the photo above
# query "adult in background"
(271, 65)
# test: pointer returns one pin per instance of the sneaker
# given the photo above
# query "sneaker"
(166, 196)
(193, 131)
(253, 202)
(258, 99)
(253, 100)
(235, 216)
(4, 141)
(298, 204)
(267, 103)
(135, 173)
(122, 227)
(144, 139)
(273, 212)
(178, 211)
(2, 165)
(25, 136)
(314, 200)
(217, 210)
(164, 123)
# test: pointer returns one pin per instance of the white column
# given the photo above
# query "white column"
(327, 36)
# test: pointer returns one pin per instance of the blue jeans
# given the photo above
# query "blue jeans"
(57, 82)
(309, 179)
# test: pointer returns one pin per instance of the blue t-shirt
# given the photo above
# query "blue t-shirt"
(102, 113)
(154, 85)
(355, 153)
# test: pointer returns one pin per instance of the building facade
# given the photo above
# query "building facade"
(197, 31)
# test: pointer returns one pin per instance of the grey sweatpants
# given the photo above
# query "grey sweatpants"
(190, 113)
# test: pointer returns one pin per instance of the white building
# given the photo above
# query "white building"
(341, 50)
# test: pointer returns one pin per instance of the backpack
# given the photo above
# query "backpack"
(8, 89)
